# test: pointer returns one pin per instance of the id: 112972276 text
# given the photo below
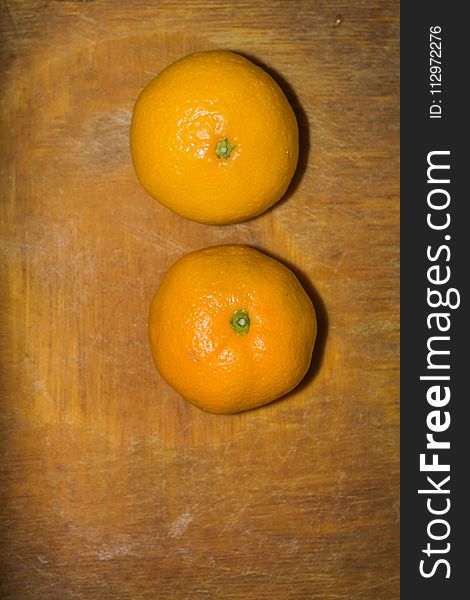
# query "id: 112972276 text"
(435, 71)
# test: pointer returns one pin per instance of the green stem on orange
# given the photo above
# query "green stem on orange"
(224, 148)
(240, 322)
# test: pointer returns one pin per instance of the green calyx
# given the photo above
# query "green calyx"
(224, 148)
(240, 322)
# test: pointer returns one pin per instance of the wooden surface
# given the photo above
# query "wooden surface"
(113, 487)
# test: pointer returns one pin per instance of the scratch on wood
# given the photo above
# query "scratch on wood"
(371, 587)
(180, 524)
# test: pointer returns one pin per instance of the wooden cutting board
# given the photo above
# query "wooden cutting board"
(112, 486)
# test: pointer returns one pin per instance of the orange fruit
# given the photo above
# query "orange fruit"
(231, 329)
(214, 139)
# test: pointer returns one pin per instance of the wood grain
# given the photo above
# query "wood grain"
(111, 485)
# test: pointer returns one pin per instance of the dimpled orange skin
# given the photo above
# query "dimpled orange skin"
(186, 111)
(199, 353)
